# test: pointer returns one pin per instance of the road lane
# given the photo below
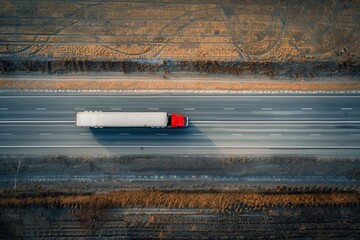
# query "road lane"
(224, 124)
(253, 107)
(214, 135)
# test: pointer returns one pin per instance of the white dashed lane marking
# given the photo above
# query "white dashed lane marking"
(6, 134)
(40, 109)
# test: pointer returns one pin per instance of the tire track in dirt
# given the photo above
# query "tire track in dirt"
(150, 223)
(247, 32)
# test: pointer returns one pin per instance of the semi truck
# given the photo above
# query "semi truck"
(131, 119)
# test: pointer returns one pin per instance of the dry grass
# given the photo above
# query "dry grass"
(176, 85)
(175, 199)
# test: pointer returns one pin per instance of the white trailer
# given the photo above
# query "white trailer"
(122, 119)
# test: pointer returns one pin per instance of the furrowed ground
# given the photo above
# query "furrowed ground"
(180, 30)
(302, 39)
(182, 215)
(223, 197)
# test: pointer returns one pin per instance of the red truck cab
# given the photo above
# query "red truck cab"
(178, 120)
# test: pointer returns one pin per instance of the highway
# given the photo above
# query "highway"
(43, 123)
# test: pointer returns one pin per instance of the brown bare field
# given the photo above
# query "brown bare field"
(60, 208)
(305, 39)
(180, 30)
(220, 201)
(177, 85)
(237, 222)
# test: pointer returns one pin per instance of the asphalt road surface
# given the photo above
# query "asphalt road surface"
(314, 124)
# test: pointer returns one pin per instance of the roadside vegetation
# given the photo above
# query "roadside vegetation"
(184, 199)
(165, 85)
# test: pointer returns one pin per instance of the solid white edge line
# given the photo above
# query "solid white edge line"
(37, 122)
(45, 134)
(229, 109)
(209, 122)
(252, 94)
(267, 109)
(223, 122)
(40, 109)
(242, 147)
(306, 109)
(275, 122)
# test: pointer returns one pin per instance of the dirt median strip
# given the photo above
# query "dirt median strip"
(175, 199)
(175, 85)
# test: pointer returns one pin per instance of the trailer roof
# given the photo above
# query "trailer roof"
(121, 119)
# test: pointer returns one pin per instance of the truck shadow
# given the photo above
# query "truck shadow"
(154, 140)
